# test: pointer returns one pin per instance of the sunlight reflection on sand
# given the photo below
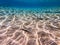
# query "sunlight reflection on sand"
(29, 28)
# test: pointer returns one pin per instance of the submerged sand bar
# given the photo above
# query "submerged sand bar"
(27, 27)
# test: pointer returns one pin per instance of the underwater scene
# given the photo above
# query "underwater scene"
(29, 22)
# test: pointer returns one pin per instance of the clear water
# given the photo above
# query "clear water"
(47, 6)
(30, 3)
(40, 19)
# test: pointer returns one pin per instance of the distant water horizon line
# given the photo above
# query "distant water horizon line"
(30, 7)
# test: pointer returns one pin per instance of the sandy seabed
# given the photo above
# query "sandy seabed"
(30, 28)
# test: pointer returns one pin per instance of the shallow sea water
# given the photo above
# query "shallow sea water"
(29, 26)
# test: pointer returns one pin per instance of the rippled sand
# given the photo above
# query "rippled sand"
(29, 28)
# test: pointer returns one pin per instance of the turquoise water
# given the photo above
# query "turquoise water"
(44, 6)
(17, 10)
(30, 3)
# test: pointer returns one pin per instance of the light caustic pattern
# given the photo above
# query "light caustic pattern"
(29, 29)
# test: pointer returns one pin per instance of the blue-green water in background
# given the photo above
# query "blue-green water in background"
(30, 3)
(33, 5)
